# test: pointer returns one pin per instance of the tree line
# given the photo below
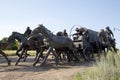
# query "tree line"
(13, 46)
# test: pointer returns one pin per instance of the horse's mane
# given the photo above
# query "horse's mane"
(46, 29)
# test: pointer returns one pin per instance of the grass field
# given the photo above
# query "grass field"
(105, 69)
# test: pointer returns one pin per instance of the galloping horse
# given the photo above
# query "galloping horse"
(25, 44)
(3, 54)
(21, 39)
(54, 42)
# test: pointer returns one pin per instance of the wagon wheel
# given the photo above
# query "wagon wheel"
(86, 53)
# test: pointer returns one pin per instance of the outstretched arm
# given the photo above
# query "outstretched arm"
(112, 33)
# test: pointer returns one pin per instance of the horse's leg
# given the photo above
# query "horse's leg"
(17, 52)
(99, 54)
(48, 52)
(59, 55)
(20, 57)
(105, 52)
(37, 51)
(26, 55)
(38, 56)
(114, 49)
(4, 55)
(41, 55)
(68, 57)
(83, 55)
(64, 56)
(55, 54)
(99, 47)
(74, 56)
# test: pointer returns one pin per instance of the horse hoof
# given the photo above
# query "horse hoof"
(68, 61)
(9, 62)
(34, 65)
(16, 64)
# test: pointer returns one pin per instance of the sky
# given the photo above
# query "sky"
(57, 15)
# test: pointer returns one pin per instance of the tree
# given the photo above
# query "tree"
(13, 46)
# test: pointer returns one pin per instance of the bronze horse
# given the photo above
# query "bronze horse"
(55, 43)
(25, 44)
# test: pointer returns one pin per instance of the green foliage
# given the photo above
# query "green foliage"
(13, 46)
(77, 77)
(4, 40)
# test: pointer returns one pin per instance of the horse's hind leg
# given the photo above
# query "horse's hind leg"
(59, 55)
(3, 54)
(26, 55)
(76, 58)
(48, 52)
(17, 52)
(20, 57)
(38, 56)
(72, 55)
(55, 54)
(37, 51)
(114, 49)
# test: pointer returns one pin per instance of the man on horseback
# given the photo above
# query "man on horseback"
(65, 33)
(28, 32)
(77, 34)
(111, 38)
(109, 32)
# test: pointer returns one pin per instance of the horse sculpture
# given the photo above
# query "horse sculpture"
(4, 55)
(21, 39)
(25, 44)
(54, 42)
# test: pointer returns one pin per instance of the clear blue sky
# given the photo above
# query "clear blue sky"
(57, 15)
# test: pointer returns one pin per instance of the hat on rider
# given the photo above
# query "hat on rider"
(77, 29)
(107, 27)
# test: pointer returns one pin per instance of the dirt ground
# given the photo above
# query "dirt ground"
(25, 70)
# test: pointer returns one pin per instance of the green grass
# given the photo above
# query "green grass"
(77, 77)
(105, 69)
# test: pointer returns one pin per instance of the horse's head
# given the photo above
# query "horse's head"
(11, 38)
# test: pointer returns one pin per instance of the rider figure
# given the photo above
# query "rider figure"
(77, 34)
(65, 33)
(27, 32)
(109, 33)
